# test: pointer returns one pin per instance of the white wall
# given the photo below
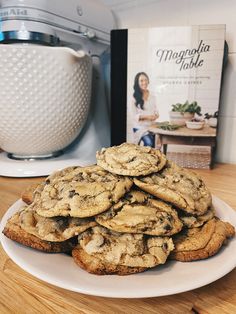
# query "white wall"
(145, 13)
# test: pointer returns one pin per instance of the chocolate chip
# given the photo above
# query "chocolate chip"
(167, 227)
(132, 159)
(164, 246)
(62, 223)
(169, 218)
(71, 193)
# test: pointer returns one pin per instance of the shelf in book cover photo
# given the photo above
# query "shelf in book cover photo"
(169, 87)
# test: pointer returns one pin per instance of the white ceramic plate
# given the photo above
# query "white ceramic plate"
(174, 277)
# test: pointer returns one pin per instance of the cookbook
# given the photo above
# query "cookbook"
(165, 90)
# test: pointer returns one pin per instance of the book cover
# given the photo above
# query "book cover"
(165, 90)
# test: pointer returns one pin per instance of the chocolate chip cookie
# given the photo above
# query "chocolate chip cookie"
(13, 231)
(28, 194)
(54, 229)
(190, 221)
(131, 160)
(139, 212)
(203, 242)
(80, 192)
(102, 251)
(180, 187)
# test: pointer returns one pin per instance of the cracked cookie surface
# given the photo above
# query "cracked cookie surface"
(178, 186)
(203, 242)
(80, 192)
(100, 245)
(139, 212)
(13, 231)
(190, 221)
(54, 229)
(131, 160)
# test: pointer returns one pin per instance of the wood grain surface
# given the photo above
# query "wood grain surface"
(22, 293)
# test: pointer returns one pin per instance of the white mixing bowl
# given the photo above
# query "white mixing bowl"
(44, 98)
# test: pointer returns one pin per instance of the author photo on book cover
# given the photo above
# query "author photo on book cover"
(144, 111)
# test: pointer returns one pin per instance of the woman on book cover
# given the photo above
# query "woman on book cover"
(144, 111)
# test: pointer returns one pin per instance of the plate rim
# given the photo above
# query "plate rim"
(93, 292)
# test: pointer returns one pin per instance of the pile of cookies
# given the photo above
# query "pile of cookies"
(130, 212)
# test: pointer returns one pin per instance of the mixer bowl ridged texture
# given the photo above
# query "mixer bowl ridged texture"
(44, 98)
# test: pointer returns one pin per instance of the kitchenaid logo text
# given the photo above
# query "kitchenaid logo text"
(186, 59)
(11, 12)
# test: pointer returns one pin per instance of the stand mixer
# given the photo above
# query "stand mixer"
(79, 25)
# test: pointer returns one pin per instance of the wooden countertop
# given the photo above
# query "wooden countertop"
(22, 293)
